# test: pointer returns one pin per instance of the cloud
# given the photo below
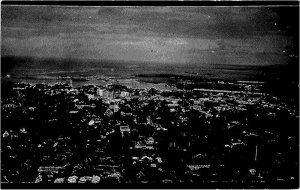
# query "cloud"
(202, 22)
(166, 34)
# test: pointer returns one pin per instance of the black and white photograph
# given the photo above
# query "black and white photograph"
(150, 96)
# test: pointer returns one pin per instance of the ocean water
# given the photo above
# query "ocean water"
(31, 70)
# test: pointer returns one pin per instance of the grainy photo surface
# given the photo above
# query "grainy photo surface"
(183, 96)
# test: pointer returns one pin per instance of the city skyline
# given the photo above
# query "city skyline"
(165, 97)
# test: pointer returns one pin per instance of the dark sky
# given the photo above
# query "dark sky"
(233, 35)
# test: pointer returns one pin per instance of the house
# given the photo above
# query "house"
(108, 165)
(49, 169)
(150, 141)
(100, 92)
(10, 106)
(116, 108)
(108, 113)
(124, 129)
(124, 94)
(72, 179)
(199, 163)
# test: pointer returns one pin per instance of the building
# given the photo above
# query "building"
(116, 108)
(108, 113)
(49, 171)
(10, 106)
(124, 94)
(100, 92)
(124, 129)
(90, 96)
(71, 83)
